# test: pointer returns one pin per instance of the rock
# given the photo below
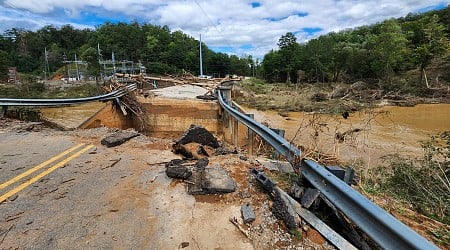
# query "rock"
(199, 135)
(118, 138)
(248, 215)
(184, 244)
(339, 92)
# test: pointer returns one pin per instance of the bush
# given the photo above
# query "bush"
(423, 182)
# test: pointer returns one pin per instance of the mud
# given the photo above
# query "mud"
(382, 131)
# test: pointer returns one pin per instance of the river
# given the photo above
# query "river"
(377, 132)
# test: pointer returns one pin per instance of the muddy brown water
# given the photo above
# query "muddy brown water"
(384, 130)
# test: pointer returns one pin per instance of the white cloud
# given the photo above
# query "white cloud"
(231, 23)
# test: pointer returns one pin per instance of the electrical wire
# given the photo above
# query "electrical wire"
(212, 23)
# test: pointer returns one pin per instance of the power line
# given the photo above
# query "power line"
(212, 23)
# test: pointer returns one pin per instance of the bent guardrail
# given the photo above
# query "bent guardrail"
(383, 228)
(70, 101)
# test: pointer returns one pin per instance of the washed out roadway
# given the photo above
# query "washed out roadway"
(64, 190)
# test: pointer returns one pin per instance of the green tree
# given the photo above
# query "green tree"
(431, 43)
(390, 47)
(90, 55)
(288, 49)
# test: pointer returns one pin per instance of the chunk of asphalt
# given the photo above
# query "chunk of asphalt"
(198, 134)
(248, 215)
(118, 138)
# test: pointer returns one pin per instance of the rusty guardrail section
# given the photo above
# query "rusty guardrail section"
(71, 101)
(383, 228)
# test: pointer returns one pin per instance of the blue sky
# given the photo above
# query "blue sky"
(233, 26)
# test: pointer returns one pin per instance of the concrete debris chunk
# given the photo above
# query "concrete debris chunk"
(309, 197)
(283, 209)
(248, 215)
(217, 180)
(178, 172)
(118, 138)
(199, 135)
(176, 169)
(214, 180)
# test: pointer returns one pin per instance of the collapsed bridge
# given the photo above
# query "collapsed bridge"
(383, 228)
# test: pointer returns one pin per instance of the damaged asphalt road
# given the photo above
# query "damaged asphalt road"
(121, 197)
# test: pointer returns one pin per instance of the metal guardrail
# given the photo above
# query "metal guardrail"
(383, 228)
(64, 102)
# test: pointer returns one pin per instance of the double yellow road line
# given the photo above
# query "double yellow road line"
(43, 173)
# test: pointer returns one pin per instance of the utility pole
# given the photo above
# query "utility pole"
(46, 66)
(114, 65)
(78, 70)
(201, 62)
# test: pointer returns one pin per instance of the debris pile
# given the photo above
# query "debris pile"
(198, 143)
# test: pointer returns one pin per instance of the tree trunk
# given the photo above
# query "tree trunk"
(426, 79)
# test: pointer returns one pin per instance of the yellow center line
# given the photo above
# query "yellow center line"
(34, 169)
(44, 173)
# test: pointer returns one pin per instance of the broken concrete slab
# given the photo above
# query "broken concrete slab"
(284, 210)
(248, 215)
(200, 135)
(118, 138)
(282, 166)
(214, 180)
(217, 180)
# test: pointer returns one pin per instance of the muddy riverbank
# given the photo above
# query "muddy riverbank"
(366, 135)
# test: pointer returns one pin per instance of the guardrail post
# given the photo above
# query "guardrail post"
(280, 132)
(235, 132)
(250, 137)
